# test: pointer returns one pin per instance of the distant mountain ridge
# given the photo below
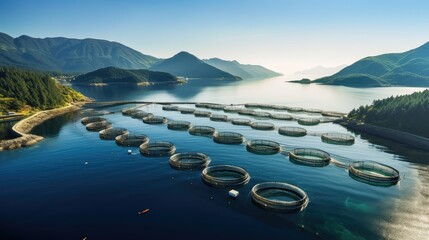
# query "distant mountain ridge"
(79, 56)
(319, 71)
(69, 55)
(185, 64)
(410, 68)
(242, 70)
(112, 75)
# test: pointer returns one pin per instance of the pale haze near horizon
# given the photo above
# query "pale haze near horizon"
(285, 36)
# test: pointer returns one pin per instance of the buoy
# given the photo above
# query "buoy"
(144, 211)
(130, 151)
(233, 193)
(86, 163)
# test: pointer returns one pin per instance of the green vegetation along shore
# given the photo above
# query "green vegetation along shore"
(25, 92)
(28, 91)
(401, 119)
(112, 75)
(408, 113)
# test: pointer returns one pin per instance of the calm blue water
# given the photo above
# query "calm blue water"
(47, 190)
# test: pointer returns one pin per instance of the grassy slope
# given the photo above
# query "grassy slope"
(409, 68)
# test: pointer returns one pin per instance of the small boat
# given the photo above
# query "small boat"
(144, 211)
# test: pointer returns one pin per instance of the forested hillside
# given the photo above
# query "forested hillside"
(39, 90)
(131, 76)
(408, 113)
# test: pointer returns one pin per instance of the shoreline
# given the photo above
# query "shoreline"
(23, 127)
(409, 139)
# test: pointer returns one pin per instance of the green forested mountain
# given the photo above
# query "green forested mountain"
(242, 70)
(116, 75)
(408, 113)
(23, 87)
(185, 64)
(69, 55)
(409, 68)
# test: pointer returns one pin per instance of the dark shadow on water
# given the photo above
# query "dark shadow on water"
(52, 127)
(407, 153)
(133, 92)
(6, 130)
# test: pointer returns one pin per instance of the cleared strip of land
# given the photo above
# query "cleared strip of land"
(23, 127)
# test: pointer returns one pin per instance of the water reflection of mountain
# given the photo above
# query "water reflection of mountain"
(407, 153)
(132, 92)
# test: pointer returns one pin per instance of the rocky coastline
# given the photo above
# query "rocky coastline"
(23, 127)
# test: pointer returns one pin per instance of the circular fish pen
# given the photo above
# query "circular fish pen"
(219, 118)
(112, 133)
(178, 125)
(279, 196)
(139, 114)
(98, 126)
(217, 106)
(338, 138)
(280, 116)
(129, 111)
(189, 160)
(131, 140)
(251, 105)
(241, 121)
(308, 121)
(263, 147)
(333, 114)
(221, 176)
(87, 120)
(374, 173)
(202, 105)
(266, 126)
(292, 131)
(187, 110)
(328, 119)
(295, 109)
(246, 112)
(202, 114)
(310, 157)
(154, 119)
(201, 130)
(312, 110)
(157, 149)
(232, 109)
(228, 138)
(266, 106)
(280, 108)
(170, 108)
(261, 114)
(100, 112)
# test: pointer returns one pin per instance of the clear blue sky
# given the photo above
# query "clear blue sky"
(286, 35)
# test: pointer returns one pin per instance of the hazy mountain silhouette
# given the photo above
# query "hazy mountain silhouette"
(185, 64)
(241, 70)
